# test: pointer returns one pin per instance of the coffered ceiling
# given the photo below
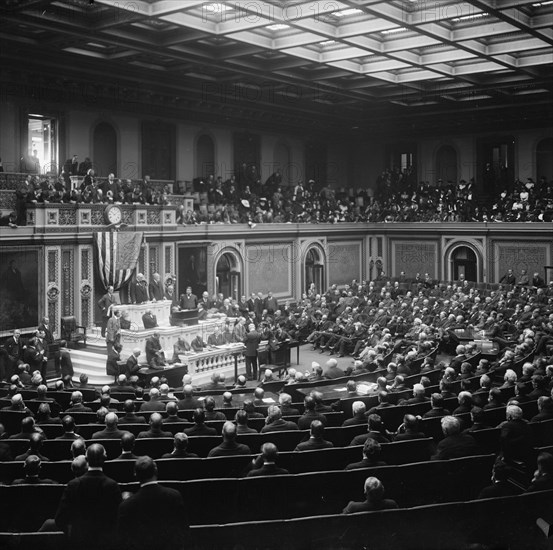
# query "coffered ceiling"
(305, 66)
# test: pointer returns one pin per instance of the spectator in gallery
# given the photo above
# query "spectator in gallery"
(374, 499)
(138, 290)
(523, 280)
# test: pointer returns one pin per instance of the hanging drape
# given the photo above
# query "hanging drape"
(117, 256)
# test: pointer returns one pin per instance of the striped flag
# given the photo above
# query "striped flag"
(117, 256)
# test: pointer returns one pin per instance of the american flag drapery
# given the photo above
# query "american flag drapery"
(117, 256)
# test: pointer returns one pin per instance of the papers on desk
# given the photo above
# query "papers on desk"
(364, 389)
(268, 400)
(340, 389)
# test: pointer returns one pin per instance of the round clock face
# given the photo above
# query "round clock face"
(113, 214)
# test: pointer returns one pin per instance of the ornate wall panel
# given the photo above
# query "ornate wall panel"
(344, 262)
(530, 256)
(154, 261)
(53, 285)
(270, 267)
(85, 290)
(415, 257)
(67, 278)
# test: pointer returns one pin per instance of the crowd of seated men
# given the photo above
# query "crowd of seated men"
(387, 327)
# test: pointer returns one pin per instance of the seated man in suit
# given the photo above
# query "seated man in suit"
(154, 516)
(198, 344)
(455, 444)
(371, 456)
(265, 463)
(149, 319)
(32, 470)
(275, 422)
(111, 431)
(155, 356)
(180, 446)
(229, 446)
(200, 427)
(217, 338)
(180, 347)
(316, 438)
(374, 492)
(156, 423)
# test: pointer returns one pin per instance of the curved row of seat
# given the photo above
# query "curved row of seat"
(227, 500)
(507, 522)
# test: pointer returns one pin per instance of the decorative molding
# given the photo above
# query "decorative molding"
(53, 292)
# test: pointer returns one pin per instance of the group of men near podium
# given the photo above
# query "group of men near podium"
(141, 292)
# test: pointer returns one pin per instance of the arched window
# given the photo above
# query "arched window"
(544, 159)
(446, 164)
(205, 156)
(104, 149)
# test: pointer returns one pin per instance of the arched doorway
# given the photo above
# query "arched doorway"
(205, 156)
(446, 164)
(227, 279)
(544, 159)
(105, 149)
(314, 270)
(464, 262)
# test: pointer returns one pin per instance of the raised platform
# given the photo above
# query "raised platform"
(92, 360)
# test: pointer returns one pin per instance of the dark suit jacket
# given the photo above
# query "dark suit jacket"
(188, 302)
(268, 470)
(88, 510)
(138, 293)
(456, 446)
(368, 506)
(230, 448)
(105, 302)
(279, 426)
(131, 367)
(252, 340)
(66, 364)
(157, 290)
(152, 433)
(154, 517)
(108, 434)
(304, 421)
(202, 429)
(179, 454)
(189, 403)
(312, 444)
(149, 321)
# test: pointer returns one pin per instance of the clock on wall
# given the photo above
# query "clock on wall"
(113, 214)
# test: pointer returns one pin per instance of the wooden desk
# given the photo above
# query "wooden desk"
(337, 391)
(239, 398)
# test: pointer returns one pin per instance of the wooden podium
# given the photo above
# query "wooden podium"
(184, 318)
